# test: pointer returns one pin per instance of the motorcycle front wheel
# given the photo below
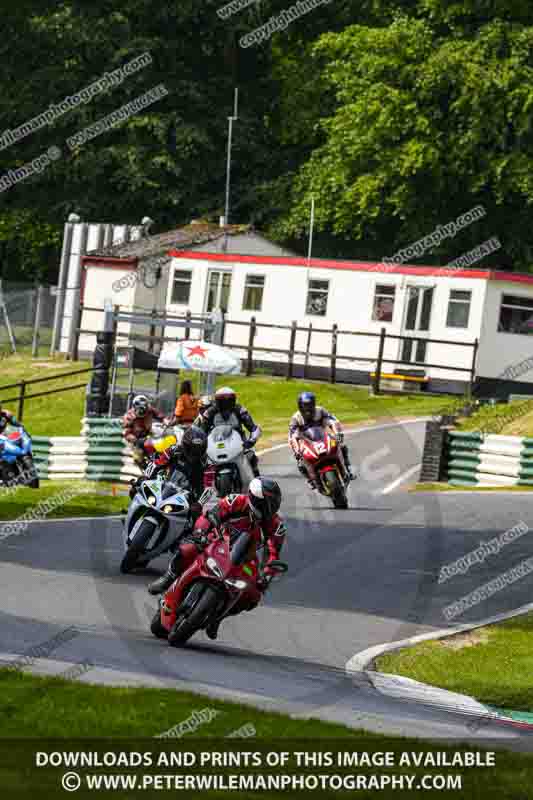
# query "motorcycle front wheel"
(135, 555)
(337, 491)
(156, 628)
(187, 625)
(29, 467)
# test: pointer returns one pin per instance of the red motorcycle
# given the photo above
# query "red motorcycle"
(222, 576)
(320, 449)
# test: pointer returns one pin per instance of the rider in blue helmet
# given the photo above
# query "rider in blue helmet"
(308, 415)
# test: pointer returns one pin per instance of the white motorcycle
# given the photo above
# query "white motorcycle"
(156, 519)
(226, 454)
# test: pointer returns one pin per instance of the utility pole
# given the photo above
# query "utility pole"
(231, 120)
(311, 226)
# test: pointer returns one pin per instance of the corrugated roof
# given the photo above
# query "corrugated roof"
(160, 244)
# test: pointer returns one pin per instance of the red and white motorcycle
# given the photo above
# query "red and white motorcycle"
(320, 449)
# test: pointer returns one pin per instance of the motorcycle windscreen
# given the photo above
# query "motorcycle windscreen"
(221, 433)
(314, 434)
(240, 548)
(178, 482)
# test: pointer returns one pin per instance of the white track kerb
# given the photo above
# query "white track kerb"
(360, 669)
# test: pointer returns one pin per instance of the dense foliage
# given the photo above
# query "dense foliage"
(395, 116)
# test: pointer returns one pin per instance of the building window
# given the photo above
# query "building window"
(458, 309)
(516, 314)
(383, 303)
(317, 298)
(181, 289)
(253, 293)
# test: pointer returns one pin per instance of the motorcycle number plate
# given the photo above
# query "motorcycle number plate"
(221, 445)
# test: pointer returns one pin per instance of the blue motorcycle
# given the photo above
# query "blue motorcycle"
(16, 460)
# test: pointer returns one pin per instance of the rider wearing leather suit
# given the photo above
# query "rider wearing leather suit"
(307, 416)
(137, 424)
(255, 512)
(226, 411)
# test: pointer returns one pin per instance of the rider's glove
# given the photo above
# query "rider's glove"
(151, 469)
(262, 582)
(248, 444)
(201, 541)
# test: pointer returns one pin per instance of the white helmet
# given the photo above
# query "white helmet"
(225, 400)
(140, 405)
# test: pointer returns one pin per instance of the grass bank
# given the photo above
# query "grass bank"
(445, 487)
(48, 711)
(493, 664)
(271, 401)
(66, 499)
(507, 419)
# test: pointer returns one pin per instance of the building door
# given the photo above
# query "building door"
(218, 290)
(417, 315)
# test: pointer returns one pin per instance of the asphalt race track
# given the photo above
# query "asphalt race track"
(356, 578)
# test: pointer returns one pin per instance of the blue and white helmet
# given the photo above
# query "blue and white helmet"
(307, 405)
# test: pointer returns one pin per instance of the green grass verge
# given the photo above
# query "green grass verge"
(48, 711)
(493, 664)
(34, 706)
(91, 499)
(446, 487)
(56, 414)
(271, 401)
(507, 419)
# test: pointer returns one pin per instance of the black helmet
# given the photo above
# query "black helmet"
(264, 495)
(225, 400)
(194, 443)
(307, 405)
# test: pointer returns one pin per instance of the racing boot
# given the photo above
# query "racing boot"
(347, 464)
(212, 629)
(165, 581)
(254, 463)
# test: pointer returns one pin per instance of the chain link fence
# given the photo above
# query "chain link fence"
(26, 318)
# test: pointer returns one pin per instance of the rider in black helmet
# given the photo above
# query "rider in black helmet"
(308, 415)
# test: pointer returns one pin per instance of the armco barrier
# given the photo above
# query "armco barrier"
(489, 459)
(98, 454)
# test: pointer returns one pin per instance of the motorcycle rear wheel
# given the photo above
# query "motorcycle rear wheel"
(186, 626)
(336, 489)
(135, 555)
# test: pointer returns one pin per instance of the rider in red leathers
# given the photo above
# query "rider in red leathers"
(137, 424)
(255, 512)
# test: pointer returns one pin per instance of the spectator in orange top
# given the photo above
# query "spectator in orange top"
(186, 409)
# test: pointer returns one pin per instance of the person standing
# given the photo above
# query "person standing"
(186, 409)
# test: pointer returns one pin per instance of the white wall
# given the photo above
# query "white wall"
(98, 235)
(99, 282)
(350, 305)
(498, 351)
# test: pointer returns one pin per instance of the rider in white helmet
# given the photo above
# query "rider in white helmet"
(226, 411)
(137, 423)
